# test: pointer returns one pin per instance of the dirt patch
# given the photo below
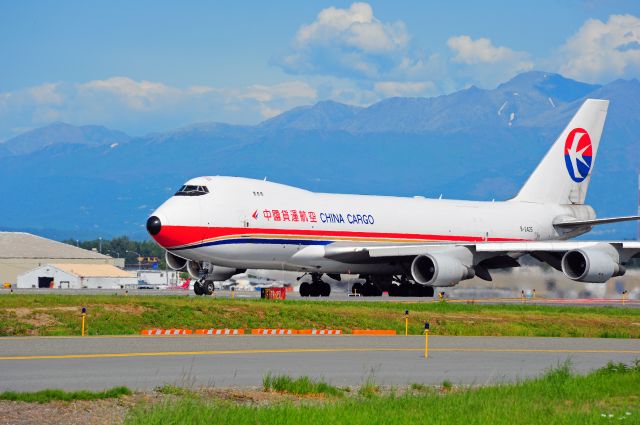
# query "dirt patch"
(21, 312)
(124, 308)
(246, 396)
(40, 320)
(114, 411)
(82, 412)
(466, 317)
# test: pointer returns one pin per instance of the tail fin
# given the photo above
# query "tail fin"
(563, 175)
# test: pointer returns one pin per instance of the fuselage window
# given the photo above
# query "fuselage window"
(190, 190)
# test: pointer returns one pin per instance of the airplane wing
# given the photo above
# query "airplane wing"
(594, 261)
(367, 254)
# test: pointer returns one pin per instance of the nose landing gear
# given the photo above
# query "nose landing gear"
(317, 288)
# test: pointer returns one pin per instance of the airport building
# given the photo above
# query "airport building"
(77, 276)
(22, 252)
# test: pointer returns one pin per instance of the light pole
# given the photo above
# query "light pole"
(139, 257)
(117, 253)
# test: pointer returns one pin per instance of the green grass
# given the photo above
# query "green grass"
(59, 314)
(46, 396)
(169, 389)
(558, 397)
(298, 386)
(369, 388)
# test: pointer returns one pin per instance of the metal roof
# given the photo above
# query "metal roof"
(92, 270)
(26, 245)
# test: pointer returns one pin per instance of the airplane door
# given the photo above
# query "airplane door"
(243, 219)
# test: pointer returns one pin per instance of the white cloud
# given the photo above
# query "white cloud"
(142, 106)
(287, 90)
(601, 51)
(355, 27)
(139, 95)
(348, 42)
(397, 88)
(46, 94)
(481, 63)
(267, 112)
(472, 52)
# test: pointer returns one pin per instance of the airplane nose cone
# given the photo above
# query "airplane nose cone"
(154, 225)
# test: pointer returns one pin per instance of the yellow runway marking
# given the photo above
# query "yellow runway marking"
(312, 350)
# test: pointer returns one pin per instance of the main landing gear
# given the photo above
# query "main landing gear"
(366, 289)
(317, 288)
(204, 287)
(405, 288)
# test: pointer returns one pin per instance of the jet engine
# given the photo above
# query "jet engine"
(195, 269)
(174, 262)
(594, 264)
(439, 269)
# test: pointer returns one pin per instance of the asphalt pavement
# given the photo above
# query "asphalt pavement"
(34, 363)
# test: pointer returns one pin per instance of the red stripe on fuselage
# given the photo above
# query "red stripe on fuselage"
(174, 236)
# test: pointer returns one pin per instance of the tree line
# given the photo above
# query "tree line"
(123, 247)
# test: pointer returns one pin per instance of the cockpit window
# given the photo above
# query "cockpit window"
(190, 190)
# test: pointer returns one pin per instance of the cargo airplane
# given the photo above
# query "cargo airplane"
(216, 227)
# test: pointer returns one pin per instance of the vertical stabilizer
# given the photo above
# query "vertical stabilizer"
(564, 173)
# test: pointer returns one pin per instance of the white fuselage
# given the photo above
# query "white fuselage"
(245, 223)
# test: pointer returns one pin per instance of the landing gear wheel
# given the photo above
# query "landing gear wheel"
(394, 290)
(325, 289)
(314, 291)
(405, 289)
(209, 287)
(356, 288)
(304, 289)
(198, 288)
(370, 290)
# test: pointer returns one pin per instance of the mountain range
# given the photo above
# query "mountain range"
(88, 181)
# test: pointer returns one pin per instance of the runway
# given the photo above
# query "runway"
(34, 363)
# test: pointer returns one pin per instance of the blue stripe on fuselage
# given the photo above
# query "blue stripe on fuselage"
(256, 241)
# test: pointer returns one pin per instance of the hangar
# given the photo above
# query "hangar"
(77, 276)
(21, 252)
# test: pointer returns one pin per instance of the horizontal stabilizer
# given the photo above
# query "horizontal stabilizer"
(595, 222)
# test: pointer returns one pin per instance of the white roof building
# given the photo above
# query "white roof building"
(21, 252)
(77, 276)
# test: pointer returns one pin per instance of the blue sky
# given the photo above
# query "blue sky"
(155, 65)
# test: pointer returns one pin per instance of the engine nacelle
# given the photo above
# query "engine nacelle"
(174, 262)
(439, 269)
(195, 269)
(219, 273)
(594, 264)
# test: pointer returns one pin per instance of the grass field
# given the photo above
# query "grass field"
(46, 396)
(559, 397)
(26, 314)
